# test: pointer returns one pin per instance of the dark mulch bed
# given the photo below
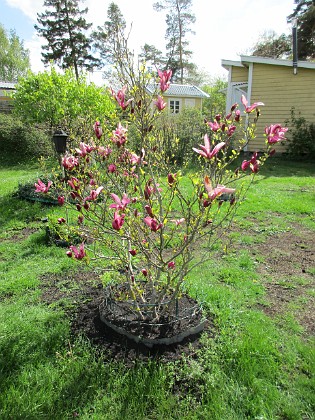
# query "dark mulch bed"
(80, 294)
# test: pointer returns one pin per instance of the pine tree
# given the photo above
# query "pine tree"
(106, 38)
(64, 27)
(111, 40)
(304, 12)
(178, 20)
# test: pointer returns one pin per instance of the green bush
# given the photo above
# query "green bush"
(62, 101)
(20, 141)
(301, 137)
(179, 133)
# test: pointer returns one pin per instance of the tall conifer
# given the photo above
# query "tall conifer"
(64, 27)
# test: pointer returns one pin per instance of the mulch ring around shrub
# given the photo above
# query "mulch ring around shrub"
(80, 294)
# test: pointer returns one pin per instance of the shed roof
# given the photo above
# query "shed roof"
(246, 59)
(182, 90)
(7, 85)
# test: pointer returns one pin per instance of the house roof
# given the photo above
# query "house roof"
(181, 90)
(247, 59)
(7, 85)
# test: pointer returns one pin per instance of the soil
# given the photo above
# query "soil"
(85, 289)
(288, 273)
(285, 262)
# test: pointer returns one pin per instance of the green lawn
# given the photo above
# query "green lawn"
(258, 362)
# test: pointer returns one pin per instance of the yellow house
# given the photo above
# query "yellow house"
(6, 101)
(275, 83)
(179, 97)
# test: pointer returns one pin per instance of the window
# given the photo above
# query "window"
(174, 107)
(190, 103)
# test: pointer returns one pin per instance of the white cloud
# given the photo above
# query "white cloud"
(34, 46)
(29, 7)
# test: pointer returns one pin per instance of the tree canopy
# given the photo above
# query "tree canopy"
(14, 58)
(273, 46)
(65, 29)
(62, 100)
(304, 13)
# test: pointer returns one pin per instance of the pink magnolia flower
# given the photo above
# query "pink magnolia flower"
(104, 151)
(217, 191)
(61, 220)
(159, 103)
(149, 210)
(144, 272)
(179, 221)
(70, 162)
(275, 133)
(171, 264)
(249, 109)
(78, 254)
(94, 194)
(84, 149)
(119, 135)
(120, 204)
(132, 252)
(165, 79)
(153, 223)
(150, 189)
(253, 163)
(120, 98)
(171, 178)
(231, 130)
(206, 151)
(112, 168)
(98, 129)
(215, 126)
(61, 200)
(137, 160)
(237, 116)
(41, 187)
(74, 183)
(118, 220)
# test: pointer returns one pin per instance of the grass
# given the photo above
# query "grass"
(253, 367)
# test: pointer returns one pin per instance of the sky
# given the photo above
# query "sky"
(223, 29)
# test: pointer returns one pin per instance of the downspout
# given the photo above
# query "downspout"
(294, 45)
(228, 102)
(249, 94)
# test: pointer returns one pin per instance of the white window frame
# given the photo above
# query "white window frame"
(173, 104)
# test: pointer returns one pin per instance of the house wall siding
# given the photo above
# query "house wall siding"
(6, 101)
(185, 102)
(239, 74)
(280, 90)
